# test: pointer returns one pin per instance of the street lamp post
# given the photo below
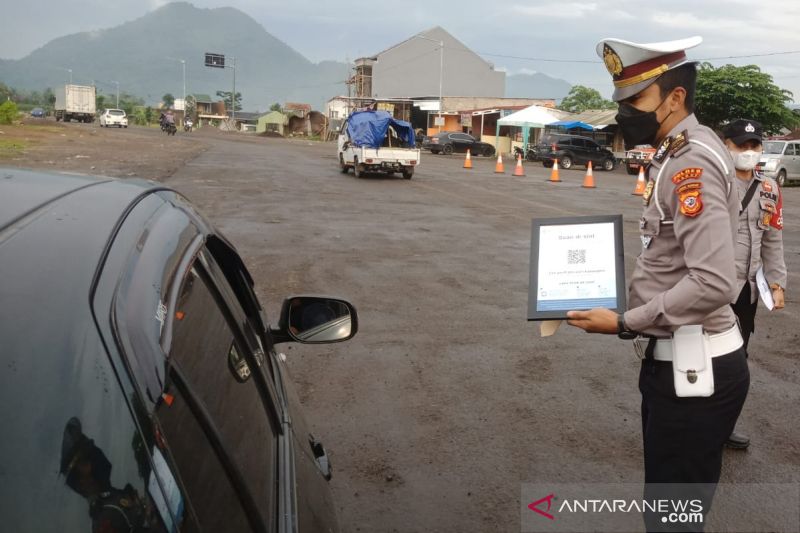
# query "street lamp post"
(183, 64)
(441, 72)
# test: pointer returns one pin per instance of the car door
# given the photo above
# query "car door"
(793, 160)
(593, 152)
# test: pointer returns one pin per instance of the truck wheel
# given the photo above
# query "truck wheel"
(781, 178)
(342, 166)
(357, 168)
(407, 173)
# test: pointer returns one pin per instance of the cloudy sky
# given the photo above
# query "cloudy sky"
(556, 37)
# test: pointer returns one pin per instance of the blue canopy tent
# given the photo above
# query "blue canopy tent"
(369, 128)
(572, 125)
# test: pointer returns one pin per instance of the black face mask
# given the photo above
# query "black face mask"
(637, 126)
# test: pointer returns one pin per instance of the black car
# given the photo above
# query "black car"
(141, 388)
(448, 142)
(574, 150)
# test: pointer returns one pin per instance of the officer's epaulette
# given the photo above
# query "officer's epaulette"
(671, 146)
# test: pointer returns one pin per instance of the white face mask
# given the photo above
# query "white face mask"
(746, 160)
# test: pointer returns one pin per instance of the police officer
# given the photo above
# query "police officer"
(87, 471)
(759, 240)
(685, 273)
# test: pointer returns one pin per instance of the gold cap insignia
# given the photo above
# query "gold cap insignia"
(612, 61)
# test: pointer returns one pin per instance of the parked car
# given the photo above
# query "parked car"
(639, 157)
(114, 117)
(575, 150)
(141, 384)
(448, 142)
(780, 161)
(38, 112)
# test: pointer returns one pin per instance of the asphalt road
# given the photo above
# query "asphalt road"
(448, 400)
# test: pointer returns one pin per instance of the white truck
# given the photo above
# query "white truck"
(75, 102)
(374, 141)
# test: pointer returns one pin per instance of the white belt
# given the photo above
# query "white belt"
(719, 344)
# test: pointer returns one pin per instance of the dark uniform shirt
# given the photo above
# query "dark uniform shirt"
(685, 273)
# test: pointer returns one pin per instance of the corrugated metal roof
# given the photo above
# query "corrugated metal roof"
(597, 117)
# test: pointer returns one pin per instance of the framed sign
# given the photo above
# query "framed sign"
(577, 263)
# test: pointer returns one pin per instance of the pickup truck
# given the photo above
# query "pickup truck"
(374, 141)
(640, 156)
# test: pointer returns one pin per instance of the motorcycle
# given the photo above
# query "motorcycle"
(187, 125)
(530, 154)
(168, 127)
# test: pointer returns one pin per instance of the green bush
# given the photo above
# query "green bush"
(8, 112)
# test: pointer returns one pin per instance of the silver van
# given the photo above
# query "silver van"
(781, 161)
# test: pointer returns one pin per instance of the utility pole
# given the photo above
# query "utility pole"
(441, 74)
(183, 64)
(117, 92)
(233, 94)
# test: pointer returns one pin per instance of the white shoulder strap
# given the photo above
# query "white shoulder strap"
(718, 157)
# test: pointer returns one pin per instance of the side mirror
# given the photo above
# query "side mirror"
(316, 320)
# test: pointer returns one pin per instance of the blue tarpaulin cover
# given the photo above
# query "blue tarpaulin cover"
(369, 128)
(572, 125)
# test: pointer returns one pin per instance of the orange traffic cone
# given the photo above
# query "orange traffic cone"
(498, 168)
(518, 170)
(468, 161)
(588, 181)
(554, 173)
(640, 185)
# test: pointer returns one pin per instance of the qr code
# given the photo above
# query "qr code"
(576, 257)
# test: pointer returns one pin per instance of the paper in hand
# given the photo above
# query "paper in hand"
(763, 289)
(549, 327)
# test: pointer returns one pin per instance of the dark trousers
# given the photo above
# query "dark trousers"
(746, 313)
(683, 437)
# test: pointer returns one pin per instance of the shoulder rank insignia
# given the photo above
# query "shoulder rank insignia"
(680, 140)
(766, 186)
(691, 203)
(663, 150)
(687, 174)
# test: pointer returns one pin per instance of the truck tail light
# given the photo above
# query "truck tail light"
(368, 161)
(412, 162)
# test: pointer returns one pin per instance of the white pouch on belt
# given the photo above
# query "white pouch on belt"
(692, 370)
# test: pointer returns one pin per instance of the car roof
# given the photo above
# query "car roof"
(57, 225)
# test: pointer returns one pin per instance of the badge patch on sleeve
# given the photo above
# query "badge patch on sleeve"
(691, 202)
(694, 186)
(687, 174)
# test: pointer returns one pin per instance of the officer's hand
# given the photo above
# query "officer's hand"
(594, 321)
(777, 296)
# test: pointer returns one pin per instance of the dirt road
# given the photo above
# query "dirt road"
(448, 400)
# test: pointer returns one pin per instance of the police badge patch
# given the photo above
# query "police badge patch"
(691, 203)
(687, 174)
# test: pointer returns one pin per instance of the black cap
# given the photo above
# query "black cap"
(743, 130)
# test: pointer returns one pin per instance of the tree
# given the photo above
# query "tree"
(100, 102)
(275, 107)
(728, 92)
(581, 98)
(225, 96)
(168, 100)
(190, 106)
(8, 112)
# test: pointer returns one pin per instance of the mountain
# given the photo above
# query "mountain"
(536, 85)
(144, 57)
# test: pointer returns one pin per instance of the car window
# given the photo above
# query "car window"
(206, 348)
(578, 143)
(73, 459)
(773, 147)
(590, 144)
(564, 142)
(117, 112)
(791, 149)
